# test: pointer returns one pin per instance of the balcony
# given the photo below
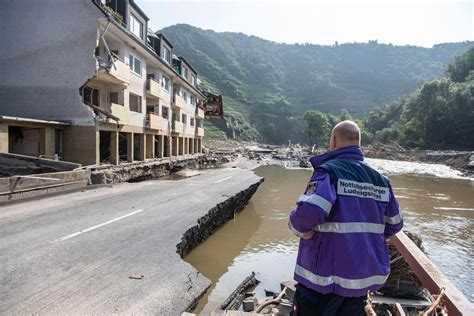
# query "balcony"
(117, 73)
(153, 89)
(178, 127)
(120, 111)
(200, 113)
(200, 131)
(157, 122)
(178, 102)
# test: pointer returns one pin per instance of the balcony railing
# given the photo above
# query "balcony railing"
(112, 13)
(178, 101)
(153, 89)
(178, 127)
(116, 73)
(200, 131)
(157, 122)
(120, 111)
(199, 113)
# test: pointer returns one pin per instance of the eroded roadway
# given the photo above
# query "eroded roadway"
(75, 253)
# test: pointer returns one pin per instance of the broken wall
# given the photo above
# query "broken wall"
(47, 54)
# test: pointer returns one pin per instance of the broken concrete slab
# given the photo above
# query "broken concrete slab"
(14, 165)
(143, 170)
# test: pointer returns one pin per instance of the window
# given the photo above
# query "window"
(175, 116)
(184, 118)
(193, 80)
(114, 97)
(185, 72)
(198, 123)
(165, 83)
(135, 103)
(184, 95)
(167, 55)
(193, 100)
(192, 122)
(136, 26)
(165, 112)
(135, 64)
(91, 96)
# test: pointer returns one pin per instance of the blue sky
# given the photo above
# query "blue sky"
(416, 22)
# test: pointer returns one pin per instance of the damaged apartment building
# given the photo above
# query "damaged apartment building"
(87, 81)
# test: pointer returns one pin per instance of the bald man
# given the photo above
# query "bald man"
(343, 219)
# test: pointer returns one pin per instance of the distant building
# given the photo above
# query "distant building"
(89, 82)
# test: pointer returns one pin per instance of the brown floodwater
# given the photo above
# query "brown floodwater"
(441, 210)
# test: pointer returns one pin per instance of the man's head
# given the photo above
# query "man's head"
(344, 134)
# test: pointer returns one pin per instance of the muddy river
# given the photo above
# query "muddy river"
(437, 203)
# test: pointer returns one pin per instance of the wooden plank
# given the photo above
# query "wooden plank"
(399, 310)
(431, 277)
(235, 298)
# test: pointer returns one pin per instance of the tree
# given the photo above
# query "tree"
(344, 116)
(458, 71)
(316, 126)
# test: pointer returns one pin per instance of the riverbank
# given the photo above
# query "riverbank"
(250, 155)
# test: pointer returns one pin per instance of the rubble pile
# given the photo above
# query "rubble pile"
(251, 155)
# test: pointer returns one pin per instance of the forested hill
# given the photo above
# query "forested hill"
(265, 83)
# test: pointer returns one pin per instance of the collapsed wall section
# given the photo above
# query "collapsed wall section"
(47, 54)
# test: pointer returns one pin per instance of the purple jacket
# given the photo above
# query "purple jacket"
(352, 209)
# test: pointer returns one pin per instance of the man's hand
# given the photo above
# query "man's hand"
(307, 235)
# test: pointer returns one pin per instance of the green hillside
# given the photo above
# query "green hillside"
(267, 86)
(437, 115)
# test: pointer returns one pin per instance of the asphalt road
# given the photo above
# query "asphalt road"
(75, 253)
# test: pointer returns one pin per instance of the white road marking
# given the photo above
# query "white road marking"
(94, 227)
(222, 180)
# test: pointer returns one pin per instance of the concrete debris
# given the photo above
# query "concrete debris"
(143, 170)
(236, 298)
(250, 155)
(290, 288)
(15, 165)
(249, 304)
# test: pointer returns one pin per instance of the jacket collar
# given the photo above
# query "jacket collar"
(351, 152)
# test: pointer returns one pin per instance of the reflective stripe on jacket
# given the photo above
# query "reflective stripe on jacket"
(352, 209)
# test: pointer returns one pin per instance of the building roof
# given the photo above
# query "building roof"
(188, 64)
(136, 7)
(163, 37)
